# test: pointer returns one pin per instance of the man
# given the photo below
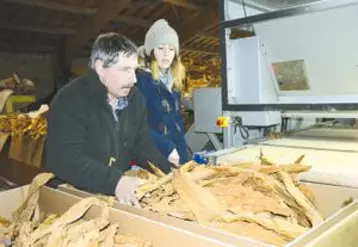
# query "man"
(97, 124)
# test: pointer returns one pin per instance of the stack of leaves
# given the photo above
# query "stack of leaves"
(202, 73)
(33, 124)
(70, 229)
(263, 201)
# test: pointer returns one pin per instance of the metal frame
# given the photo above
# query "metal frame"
(293, 11)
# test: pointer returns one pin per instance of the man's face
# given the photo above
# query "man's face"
(120, 77)
(164, 54)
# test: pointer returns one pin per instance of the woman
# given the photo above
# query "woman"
(160, 83)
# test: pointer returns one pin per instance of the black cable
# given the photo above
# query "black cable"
(285, 121)
(282, 124)
(244, 132)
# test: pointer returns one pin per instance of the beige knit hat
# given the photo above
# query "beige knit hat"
(160, 33)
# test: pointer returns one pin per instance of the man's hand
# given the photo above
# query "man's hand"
(174, 157)
(126, 188)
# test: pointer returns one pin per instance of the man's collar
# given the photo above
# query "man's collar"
(122, 103)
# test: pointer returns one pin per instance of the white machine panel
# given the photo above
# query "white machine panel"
(250, 79)
(326, 41)
(316, 54)
(207, 107)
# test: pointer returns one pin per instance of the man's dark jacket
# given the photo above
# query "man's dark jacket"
(84, 136)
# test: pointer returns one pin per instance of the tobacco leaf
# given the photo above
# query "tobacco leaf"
(67, 230)
(202, 202)
(228, 197)
(310, 211)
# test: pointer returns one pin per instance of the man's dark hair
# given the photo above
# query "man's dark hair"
(108, 46)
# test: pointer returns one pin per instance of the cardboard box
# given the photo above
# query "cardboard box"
(338, 230)
(159, 234)
(26, 149)
(329, 203)
(193, 227)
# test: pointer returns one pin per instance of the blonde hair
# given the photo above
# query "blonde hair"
(177, 68)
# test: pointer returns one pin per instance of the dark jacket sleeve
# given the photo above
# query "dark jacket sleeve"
(65, 155)
(165, 146)
(144, 149)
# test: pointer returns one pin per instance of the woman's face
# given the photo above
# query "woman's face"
(164, 54)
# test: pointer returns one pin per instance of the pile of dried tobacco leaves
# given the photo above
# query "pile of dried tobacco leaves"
(33, 124)
(69, 229)
(263, 201)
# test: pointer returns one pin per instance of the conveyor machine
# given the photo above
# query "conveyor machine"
(298, 67)
(294, 71)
